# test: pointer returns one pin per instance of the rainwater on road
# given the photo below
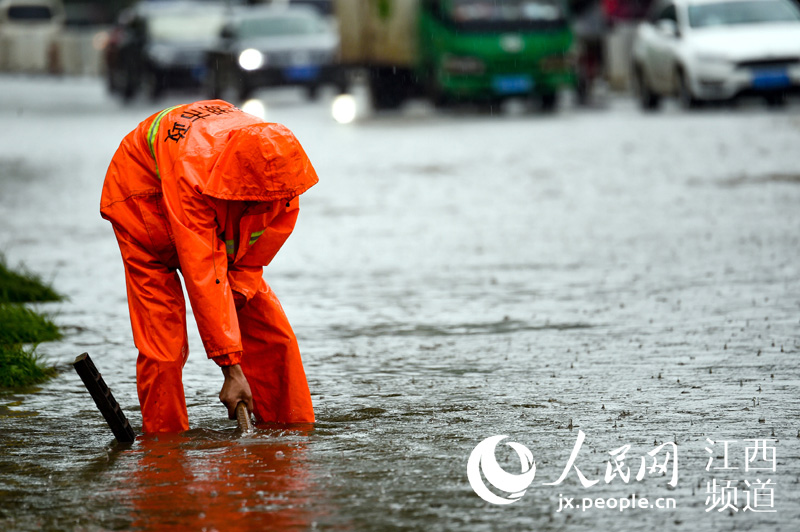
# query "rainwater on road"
(631, 278)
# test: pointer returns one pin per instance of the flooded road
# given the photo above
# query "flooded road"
(632, 278)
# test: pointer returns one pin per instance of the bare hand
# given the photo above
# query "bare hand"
(235, 389)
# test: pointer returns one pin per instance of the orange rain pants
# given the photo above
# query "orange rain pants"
(210, 191)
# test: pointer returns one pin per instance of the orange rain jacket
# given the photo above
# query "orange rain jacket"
(211, 191)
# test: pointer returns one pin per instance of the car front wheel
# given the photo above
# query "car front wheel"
(548, 102)
(685, 95)
(648, 100)
(312, 92)
(775, 100)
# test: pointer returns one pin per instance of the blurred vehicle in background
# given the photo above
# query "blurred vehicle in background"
(458, 50)
(273, 46)
(161, 45)
(703, 50)
(28, 29)
(325, 7)
(79, 46)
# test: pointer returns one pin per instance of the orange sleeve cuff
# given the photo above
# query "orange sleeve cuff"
(229, 359)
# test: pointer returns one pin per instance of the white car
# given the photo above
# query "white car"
(703, 50)
(28, 32)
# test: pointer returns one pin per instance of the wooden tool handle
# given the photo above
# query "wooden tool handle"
(243, 417)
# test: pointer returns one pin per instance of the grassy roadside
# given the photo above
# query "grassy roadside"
(23, 286)
(19, 325)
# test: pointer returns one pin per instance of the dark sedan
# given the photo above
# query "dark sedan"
(274, 46)
(157, 46)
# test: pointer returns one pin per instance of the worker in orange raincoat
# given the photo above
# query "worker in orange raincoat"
(212, 192)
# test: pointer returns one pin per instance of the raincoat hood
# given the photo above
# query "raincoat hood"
(261, 162)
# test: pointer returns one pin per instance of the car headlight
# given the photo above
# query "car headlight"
(251, 59)
(456, 64)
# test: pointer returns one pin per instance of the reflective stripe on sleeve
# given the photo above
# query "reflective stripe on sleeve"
(254, 236)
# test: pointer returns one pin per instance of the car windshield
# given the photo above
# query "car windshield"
(29, 13)
(503, 14)
(184, 27)
(280, 25)
(747, 12)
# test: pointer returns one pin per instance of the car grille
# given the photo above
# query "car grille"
(299, 58)
(769, 63)
(189, 57)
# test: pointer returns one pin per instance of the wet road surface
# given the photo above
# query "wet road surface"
(452, 277)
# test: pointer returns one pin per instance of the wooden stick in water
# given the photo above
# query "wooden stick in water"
(243, 417)
(104, 399)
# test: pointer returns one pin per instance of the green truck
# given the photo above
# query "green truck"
(458, 50)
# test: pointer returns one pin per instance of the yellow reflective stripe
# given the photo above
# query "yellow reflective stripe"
(230, 246)
(153, 131)
(254, 236)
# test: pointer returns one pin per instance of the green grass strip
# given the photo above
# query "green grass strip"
(21, 325)
(23, 287)
(21, 367)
